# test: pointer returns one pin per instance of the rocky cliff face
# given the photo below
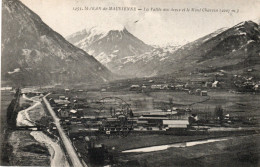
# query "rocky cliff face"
(34, 54)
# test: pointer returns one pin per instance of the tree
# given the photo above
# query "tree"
(171, 101)
(219, 113)
(131, 113)
(191, 120)
(111, 111)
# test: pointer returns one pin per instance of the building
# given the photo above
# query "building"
(208, 84)
(187, 85)
(179, 87)
(134, 87)
(215, 84)
(256, 87)
(63, 113)
(196, 83)
(59, 102)
(103, 90)
(156, 86)
(62, 97)
(165, 86)
(175, 123)
(153, 120)
(6, 88)
(51, 100)
(198, 91)
(204, 93)
(144, 87)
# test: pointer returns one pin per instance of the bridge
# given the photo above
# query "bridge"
(32, 128)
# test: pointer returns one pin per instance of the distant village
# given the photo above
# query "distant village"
(200, 85)
(79, 118)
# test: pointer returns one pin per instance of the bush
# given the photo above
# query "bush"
(36, 148)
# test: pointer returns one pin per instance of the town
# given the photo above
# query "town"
(87, 117)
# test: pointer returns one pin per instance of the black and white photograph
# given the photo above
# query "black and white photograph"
(130, 83)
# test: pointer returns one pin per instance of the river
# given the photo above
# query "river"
(176, 145)
(58, 157)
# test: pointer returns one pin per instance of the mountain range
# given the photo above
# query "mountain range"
(120, 51)
(234, 49)
(34, 54)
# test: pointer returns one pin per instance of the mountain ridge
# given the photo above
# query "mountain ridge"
(202, 54)
(42, 55)
(110, 47)
(118, 50)
(233, 49)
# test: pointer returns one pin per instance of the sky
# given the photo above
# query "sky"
(151, 25)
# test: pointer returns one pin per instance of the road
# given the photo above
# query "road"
(69, 148)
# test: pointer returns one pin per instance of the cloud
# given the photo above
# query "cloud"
(156, 25)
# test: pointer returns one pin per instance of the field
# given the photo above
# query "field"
(26, 151)
(239, 151)
(235, 104)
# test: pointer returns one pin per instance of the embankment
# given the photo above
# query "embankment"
(13, 109)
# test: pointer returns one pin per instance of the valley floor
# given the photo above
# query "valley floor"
(237, 151)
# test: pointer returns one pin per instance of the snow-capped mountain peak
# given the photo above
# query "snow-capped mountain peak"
(104, 29)
(109, 44)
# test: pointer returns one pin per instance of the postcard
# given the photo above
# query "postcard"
(140, 83)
